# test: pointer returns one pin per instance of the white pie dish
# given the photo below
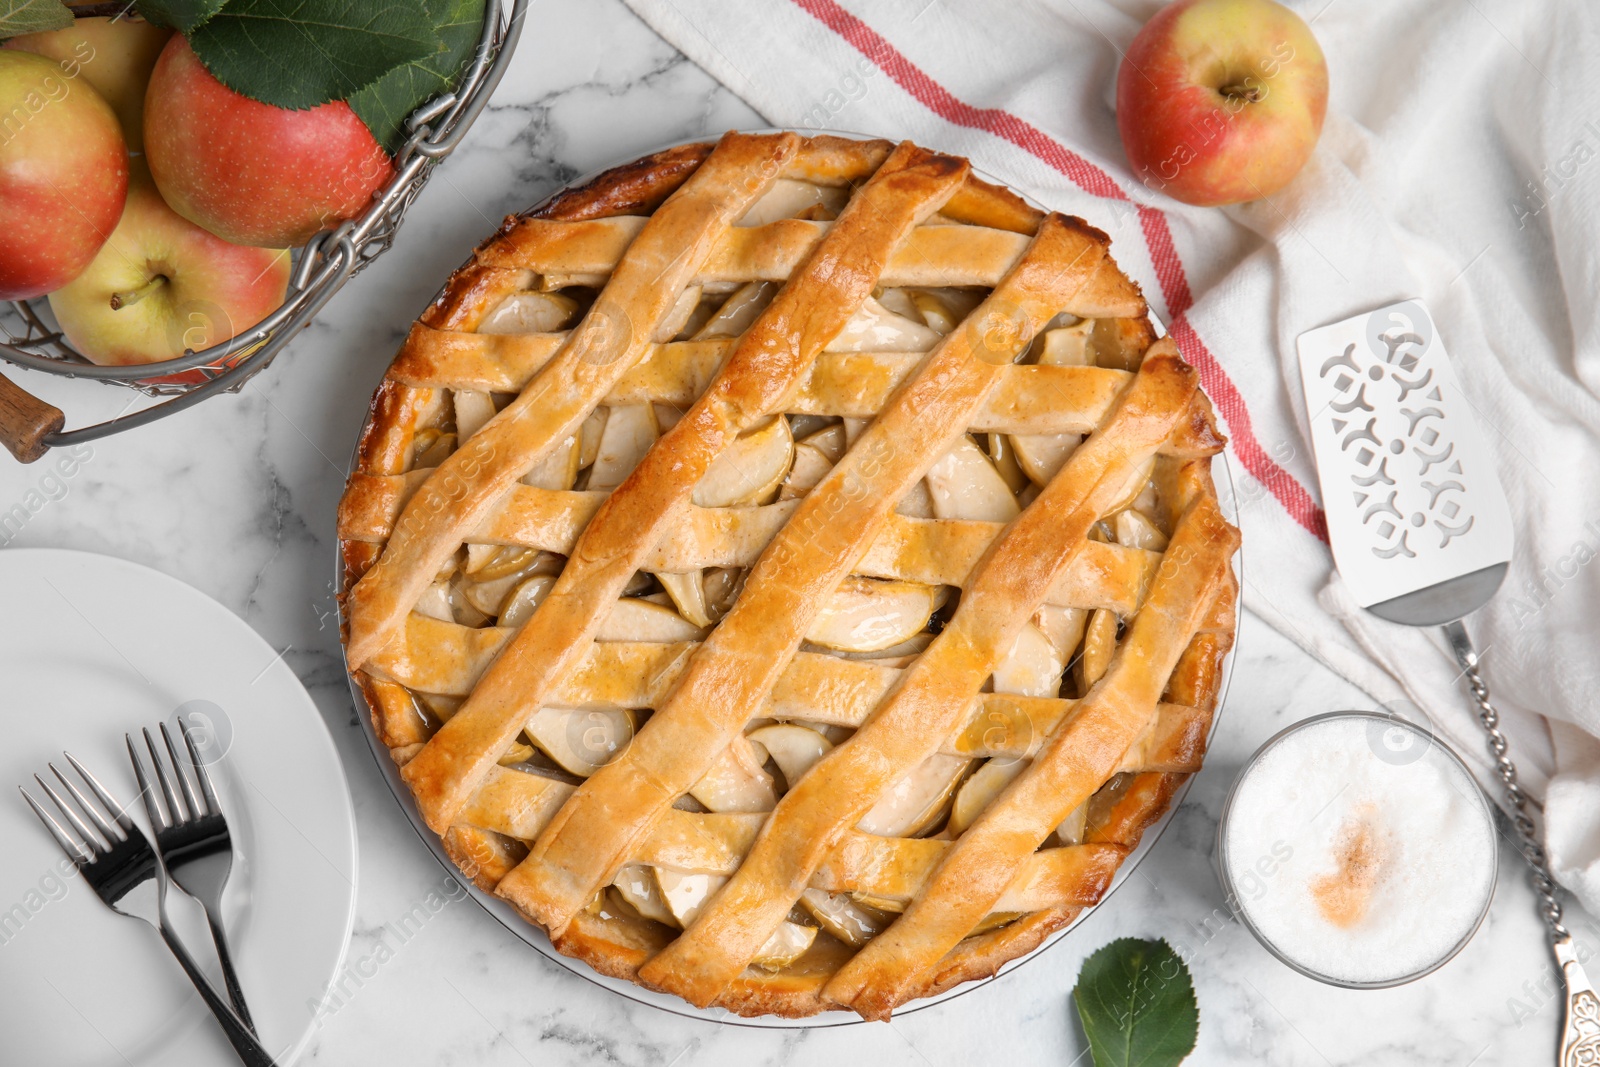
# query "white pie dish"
(533, 936)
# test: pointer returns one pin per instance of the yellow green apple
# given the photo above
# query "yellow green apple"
(162, 284)
(113, 55)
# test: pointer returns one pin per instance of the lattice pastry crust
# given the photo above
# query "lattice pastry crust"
(788, 570)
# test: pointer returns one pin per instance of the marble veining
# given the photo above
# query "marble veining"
(237, 498)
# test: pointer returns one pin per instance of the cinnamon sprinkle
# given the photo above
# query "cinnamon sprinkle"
(1344, 895)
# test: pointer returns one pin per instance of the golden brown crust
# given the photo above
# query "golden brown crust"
(636, 188)
(619, 945)
(981, 204)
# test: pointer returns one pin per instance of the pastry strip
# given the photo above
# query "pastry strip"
(519, 805)
(931, 551)
(1028, 399)
(816, 687)
(932, 256)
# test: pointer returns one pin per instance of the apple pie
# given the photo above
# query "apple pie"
(788, 570)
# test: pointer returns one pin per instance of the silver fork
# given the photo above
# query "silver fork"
(192, 837)
(121, 867)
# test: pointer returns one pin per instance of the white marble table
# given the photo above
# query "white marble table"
(237, 498)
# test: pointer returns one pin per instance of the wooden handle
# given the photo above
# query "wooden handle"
(25, 421)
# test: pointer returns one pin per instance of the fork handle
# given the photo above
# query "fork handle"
(239, 1035)
(219, 937)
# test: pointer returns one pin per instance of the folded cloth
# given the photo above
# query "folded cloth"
(1456, 165)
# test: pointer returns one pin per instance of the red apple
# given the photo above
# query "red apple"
(1221, 101)
(162, 284)
(113, 55)
(63, 175)
(249, 172)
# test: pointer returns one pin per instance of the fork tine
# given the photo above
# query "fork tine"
(191, 801)
(91, 842)
(111, 803)
(152, 804)
(212, 807)
(166, 784)
(88, 807)
(76, 852)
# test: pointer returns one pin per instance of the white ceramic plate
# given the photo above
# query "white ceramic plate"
(91, 647)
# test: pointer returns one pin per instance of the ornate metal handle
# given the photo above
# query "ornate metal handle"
(1580, 1024)
(1580, 1021)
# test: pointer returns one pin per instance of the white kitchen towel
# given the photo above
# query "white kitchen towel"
(1456, 165)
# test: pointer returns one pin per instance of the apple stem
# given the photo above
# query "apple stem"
(133, 296)
(1248, 94)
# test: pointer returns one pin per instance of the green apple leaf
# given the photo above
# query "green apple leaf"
(18, 17)
(301, 53)
(1136, 1002)
(386, 104)
(185, 16)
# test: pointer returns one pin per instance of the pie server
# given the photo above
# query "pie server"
(1421, 534)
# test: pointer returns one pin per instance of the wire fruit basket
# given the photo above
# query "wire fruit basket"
(29, 426)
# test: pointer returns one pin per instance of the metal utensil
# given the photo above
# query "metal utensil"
(116, 859)
(1421, 533)
(192, 837)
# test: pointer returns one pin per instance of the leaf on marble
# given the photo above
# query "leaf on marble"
(1136, 1002)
